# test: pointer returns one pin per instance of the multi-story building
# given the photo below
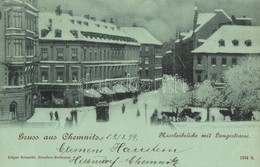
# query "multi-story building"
(150, 67)
(76, 50)
(224, 49)
(204, 25)
(18, 45)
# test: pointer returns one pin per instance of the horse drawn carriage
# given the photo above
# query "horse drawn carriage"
(171, 116)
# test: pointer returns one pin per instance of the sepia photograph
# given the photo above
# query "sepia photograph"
(135, 83)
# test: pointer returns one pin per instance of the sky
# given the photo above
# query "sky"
(161, 17)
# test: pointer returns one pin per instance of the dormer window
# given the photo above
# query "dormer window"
(235, 42)
(248, 43)
(58, 33)
(221, 42)
(72, 21)
(44, 32)
(79, 22)
(105, 26)
(98, 25)
(86, 23)
(74, 33)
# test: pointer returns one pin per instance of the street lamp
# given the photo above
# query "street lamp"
(145, 109)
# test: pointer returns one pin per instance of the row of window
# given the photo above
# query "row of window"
(213, 61)
(91, 54)
(14, 47)
(15, 20)
(90, 73)
(235, 42)
(87, 24)
(75, 33)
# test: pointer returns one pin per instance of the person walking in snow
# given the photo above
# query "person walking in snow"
(51, 115)
(138, 113)
(56, 116)
(123, 109)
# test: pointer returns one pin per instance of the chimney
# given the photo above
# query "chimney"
(93, 18)
(111, 20)
(233, 18)
(134, 25)
(50, 25)
(104, 20)
(86, 16)
(58, 10)
(195, 19)
(70, 12)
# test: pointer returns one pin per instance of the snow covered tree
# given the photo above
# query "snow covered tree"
(243, 84)
(175, 92)
(207, 96)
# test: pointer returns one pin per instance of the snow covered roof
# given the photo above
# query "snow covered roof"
(79, 28)
(141, 34)
(235, 39)
(203, 18)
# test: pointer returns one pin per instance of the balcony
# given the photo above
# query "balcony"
(20, 59)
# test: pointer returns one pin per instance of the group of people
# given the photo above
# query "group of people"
(123, 111)
(56, 115)
(69, 120)
(73, 117)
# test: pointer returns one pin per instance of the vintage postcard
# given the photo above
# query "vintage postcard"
(129, 83)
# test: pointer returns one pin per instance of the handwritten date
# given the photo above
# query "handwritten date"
(120, 136)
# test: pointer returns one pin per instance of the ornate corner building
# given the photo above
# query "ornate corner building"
(18, 45)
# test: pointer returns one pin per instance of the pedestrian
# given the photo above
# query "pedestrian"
(138, 113)
(123, 109)
(56, 116)
(67, 123)
(51, 115)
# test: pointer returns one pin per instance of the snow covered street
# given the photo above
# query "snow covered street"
(87, 115)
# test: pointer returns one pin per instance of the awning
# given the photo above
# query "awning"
(120, 88)
(92, 93)
(106, 91)
(146, 80)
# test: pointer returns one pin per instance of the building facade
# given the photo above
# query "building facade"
(204, 25)
(18, 58)
(150, 63)
(224, 49)
(78, 53)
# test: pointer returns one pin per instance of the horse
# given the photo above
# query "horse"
(170, 114)
(226, 112)
(187, 112)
